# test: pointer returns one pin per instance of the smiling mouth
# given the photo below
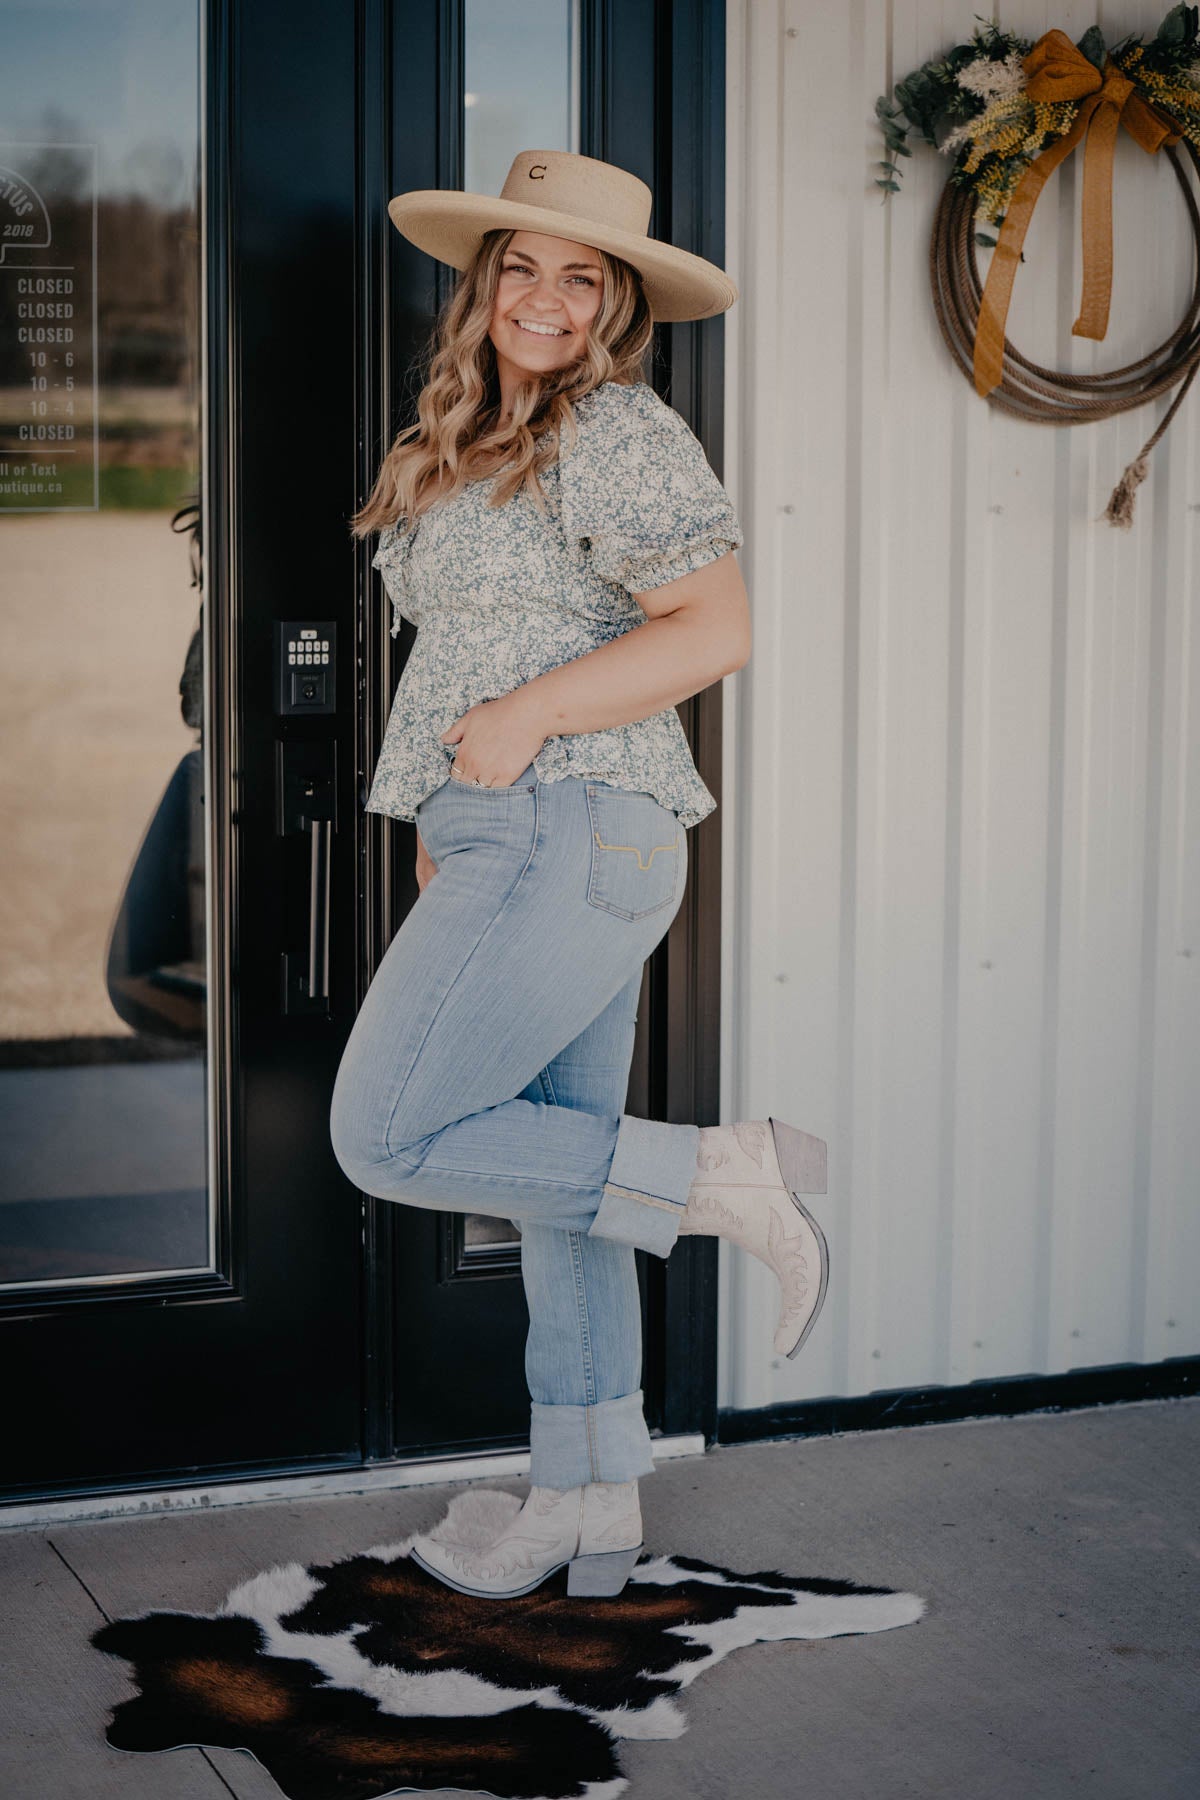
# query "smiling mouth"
(546, 331)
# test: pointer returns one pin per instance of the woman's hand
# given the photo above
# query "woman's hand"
(496, 739)
(426, 867)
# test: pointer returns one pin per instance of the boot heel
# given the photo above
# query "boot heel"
(803, 1159)
(601, 1572)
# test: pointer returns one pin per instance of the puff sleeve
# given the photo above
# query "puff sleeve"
(391, 559)
(638, 493)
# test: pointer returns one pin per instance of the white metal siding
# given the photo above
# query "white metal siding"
(962, 843)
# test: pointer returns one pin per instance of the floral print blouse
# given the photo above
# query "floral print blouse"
(501, 594)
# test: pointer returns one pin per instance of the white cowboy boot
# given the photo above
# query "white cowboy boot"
(747, 1187)
(596, 1530)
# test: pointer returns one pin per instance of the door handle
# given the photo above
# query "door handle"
(320, 837)
(306, 806)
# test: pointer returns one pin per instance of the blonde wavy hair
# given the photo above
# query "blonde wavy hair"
(459, 426)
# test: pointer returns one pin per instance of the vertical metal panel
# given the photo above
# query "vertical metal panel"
(962, 850)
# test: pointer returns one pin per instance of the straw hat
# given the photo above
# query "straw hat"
(577, 197)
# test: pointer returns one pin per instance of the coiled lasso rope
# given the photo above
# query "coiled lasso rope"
(1049, 396)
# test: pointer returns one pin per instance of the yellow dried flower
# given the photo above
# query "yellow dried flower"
(1173, 93)
(994, 190)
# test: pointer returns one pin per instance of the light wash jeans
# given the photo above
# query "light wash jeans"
(488, 1068)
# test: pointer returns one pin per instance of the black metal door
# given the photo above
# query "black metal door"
(208, 334)
(641, 85)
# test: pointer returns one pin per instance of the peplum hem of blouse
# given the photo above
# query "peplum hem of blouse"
(502, 594)
(669, 783)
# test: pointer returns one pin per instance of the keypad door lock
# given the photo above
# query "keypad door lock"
(305, 666)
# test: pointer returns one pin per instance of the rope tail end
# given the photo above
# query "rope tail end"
(1119, 510)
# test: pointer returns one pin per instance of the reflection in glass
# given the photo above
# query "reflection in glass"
(522, 84)
(481, 1230)
(103, 1025)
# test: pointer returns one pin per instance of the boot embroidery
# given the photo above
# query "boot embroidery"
(751, 1134)
(621, 1533)
(790, 1265)
(711, 1159)
(610, 1494)
(509, 1554)
(542, 1501)
(709, 1207)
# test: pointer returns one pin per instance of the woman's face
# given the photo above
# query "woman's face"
(544, 283)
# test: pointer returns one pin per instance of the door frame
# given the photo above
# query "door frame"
(333, 1409)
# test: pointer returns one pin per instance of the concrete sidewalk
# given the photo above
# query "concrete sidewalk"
(1059, 1657)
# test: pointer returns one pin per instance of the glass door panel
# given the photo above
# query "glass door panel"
(521, 61)
(104, 926)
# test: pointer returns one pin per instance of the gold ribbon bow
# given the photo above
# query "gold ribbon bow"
(1056, 70)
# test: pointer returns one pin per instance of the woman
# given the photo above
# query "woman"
(553, 529)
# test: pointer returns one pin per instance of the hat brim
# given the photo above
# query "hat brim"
(448, 225)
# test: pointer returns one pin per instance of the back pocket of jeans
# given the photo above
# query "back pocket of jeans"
(635, 852)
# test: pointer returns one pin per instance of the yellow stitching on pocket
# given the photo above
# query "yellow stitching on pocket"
(641, 865)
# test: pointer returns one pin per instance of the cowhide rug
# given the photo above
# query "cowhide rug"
(366, 1677)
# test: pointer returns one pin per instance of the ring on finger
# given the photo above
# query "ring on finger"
(467, 780)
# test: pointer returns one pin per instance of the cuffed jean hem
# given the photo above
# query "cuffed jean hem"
(570, 1446)
(652, 1170)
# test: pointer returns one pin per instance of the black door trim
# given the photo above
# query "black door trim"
(690, 212)
(1006, 1397)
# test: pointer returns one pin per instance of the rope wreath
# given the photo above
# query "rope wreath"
(1017, 111)
(1050, 396)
